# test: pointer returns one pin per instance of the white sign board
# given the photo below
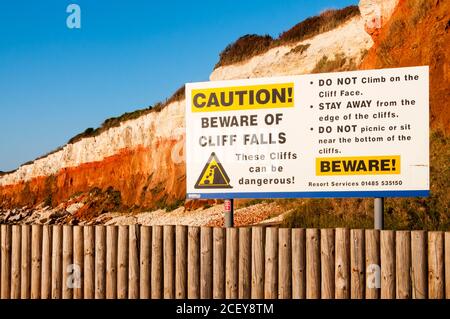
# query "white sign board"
(348, 134)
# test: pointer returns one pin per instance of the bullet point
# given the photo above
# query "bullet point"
(311, 128)
(311, 106)
(311, 82)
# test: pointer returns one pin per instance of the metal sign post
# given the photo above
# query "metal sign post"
(378, 213)
(228, 206)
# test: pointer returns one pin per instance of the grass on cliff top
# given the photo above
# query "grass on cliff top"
(116, 121)
(251, 44)
(339, 63)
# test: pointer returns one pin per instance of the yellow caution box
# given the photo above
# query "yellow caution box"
(236, 98)
(361, 165)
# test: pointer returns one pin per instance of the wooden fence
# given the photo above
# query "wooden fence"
(192, 262)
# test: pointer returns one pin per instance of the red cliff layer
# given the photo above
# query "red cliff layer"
(141, 177)
(418, 33)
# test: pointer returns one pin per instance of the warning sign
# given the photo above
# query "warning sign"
(213, 175)
(348, 134)
(368, 165)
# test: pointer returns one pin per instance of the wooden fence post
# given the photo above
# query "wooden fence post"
(46, 285)
(387, 258)
(6, 261)
(15, 262)
(100, 262)
(206, 260)
(298, 263)
(312, 264)
(169, 262)
(285, 263)
(258, 262)
(373, 265)
(447, 265)
(181, 262)
(232, 259)
(193, 263)
(25, 274)
(327, 263)
(234, 263)
(357, 264)
(122, 262)
(78, 261)
(36, 259)
(219, 263)
(403, 264)
(145, 262)
(57, 239)
(271, 269)
(245, 263)
(89, 262)
(419, 265)
(436, 265)
(342, 265)
(67, 290)
(157, 262)
(133, 263)
(111, 262)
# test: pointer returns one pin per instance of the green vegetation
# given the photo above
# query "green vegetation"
(48, 201)
(420, 9)
(177, 96)
(326, 21)
(114, 197)
(242, 203)
(364, 53)
(251, 45)
(27, 196)
(321, 213)
(433, 212)
(245, 47)
(116, 121)
(113, 122)
(339, 63)
(386, 46)
(75, 195)
(159, 188)
(110, 123)
(426, 213)
(99, 202)
(174, 205)
(300, 48)
(49, 188)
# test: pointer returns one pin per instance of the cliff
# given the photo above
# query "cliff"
(419, 34)
(139, 163)
(141, 159)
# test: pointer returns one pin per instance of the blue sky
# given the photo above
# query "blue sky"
(55, 82)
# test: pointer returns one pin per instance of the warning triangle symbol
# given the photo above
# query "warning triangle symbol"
(213, 175)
